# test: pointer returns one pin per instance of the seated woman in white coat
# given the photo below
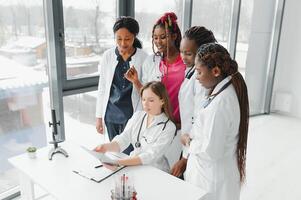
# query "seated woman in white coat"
(150, 131)
(217, 151)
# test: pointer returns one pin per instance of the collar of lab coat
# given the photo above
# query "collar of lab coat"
(220, 85)
(189, 71)
(119, 57)
(158, 119)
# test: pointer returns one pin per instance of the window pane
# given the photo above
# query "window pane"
(243, 36)
(147, 12)
(23, 83)
(255, 32)
(88, 33)
(214, 15)
(79, 116)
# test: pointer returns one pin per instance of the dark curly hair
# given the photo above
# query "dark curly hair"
(131, 25)
(200, 35)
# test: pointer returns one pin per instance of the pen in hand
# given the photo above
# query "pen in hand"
(98, 166)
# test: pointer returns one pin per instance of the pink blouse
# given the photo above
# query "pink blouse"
(173, 76)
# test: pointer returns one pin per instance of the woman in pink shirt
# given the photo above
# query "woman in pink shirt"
(166, 64)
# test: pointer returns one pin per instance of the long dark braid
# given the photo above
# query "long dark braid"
(200, 35)
(213, 55)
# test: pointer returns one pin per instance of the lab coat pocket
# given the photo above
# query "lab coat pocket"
(207, 171)
(198, 174)
(149, 139)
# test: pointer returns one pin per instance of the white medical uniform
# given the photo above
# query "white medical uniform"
(190, 96)
(151, 69)
(107, 69)
(212, 163)
(186, 100)
(154, 139)
(186, 104)
(151, 72)
(200, 93)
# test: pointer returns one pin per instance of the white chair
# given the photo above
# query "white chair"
(174, 151)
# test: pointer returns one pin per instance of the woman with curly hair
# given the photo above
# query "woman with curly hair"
(117, 99)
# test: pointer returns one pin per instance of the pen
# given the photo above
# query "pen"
(98, 166)
(123, 185)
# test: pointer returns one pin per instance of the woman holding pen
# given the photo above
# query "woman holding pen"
(150, 131)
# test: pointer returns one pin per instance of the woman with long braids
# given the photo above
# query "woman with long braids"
(165, 64)
(217, 151)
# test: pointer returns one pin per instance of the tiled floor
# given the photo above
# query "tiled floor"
(273, 159)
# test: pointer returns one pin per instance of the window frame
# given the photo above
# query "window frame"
(60, 86)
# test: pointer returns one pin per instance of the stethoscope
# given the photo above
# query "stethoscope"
(190, 73)
(211, 97)
(138, 143)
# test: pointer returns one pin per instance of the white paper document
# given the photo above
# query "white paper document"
(100, 173)
(108, 157)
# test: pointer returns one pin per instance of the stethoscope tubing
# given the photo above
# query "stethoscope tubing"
(138, 143)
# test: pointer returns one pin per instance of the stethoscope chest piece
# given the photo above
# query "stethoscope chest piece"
(138, 144)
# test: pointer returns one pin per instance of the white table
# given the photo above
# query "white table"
(57, 178)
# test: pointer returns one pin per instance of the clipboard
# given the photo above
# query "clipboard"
(97, 177)
(100, 174)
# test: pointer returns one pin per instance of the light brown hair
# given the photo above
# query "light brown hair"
(159, 89)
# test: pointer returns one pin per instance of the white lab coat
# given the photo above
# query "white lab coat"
(212, 163)
(107, 70)
(151, 69)
(190, 95)
(200, 93)
(186, 105)
(154, 141)
(151, 72)
(186, 102)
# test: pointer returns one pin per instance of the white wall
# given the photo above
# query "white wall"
(288, 69)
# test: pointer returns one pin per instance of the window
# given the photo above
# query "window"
(214, 15)
(148, 11)
(79, 115)
(244, 31)
(88, 33)
(23, 84)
